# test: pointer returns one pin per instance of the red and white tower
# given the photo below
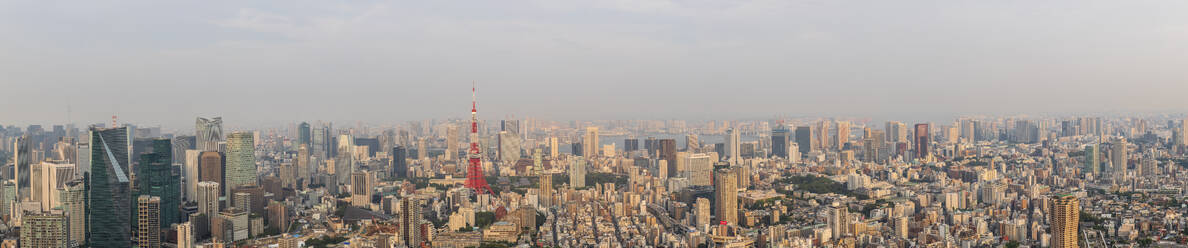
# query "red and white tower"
(474, 171)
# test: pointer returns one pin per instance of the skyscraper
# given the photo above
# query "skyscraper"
(451, 151)
(839, 218)
(241, 161)
(779, 141)
(23, 157)
(73, 198)
(699, 166)
(304, 134)
(692, 142)
(1065, 218)
(410, 222)
(1092, 162)
(155, 178)
(1119, 157)
(148, 224)
(577, 173)
(923, 141)
(208, 198)
(185, 235)
(804, 139)
(841, 135)
(208, 133)
(399, 168)
(509, 147)
(590, 143)
(190, 177)
(303, 166)
(210, 169)
(666, 150)
(361, 183)
(896, 131)
(53, 176)
(726, 196)
(733, 146)
(702, 213)
(108, 210)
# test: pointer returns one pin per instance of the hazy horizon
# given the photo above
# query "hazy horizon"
(269, 63)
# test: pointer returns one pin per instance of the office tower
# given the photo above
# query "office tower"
(304, 168)
(841, 135)
(241, 161)
(83, 161)
(1065, 218)
(726, 196)
(23, 157)
(74, 205)
(1092, 164)
(180, 145)
(1119, 157)
(733, 147)
(208, 134)
(804, 139)
(361, 183)
(410, 222)
(590, 143)
(304, 134)
(278, 216)
(148, 224)
(190, 170)
(422, 148)
(554, 145)
(702, 213)
(509, 147)
(577, 173)
(399, 168)
(208, 198)
(700, 167)
(779, 141)
(51, 177)
(109, 199)
(896, 131)
(839, 217)
(44, 229)
(901, 227)
(155, 178)
(821, 135)
(666, 150)
(451, 151)
(211, 166)
(344, 162)
(923, 141)
(692, 142)
(286, 172)
(475, 179)
(546, 189)
(185, 235)
(8, 197)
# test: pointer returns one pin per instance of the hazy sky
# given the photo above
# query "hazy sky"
(272, 62)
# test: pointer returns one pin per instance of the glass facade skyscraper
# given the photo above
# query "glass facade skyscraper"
(108, 200)
(241, 161)
(155, 177)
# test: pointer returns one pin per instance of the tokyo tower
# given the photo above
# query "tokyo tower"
(474, 171)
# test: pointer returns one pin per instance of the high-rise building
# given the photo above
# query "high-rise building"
(241, 161)
(726, 196)
(344, 162)
(554, 147)
(577, 173)
(208, 198)
(896, 132)
(1119, 157)
(53, 176)
(399, 168)
(278, 216)
(590, 143)
(74, 205)
(703, 213)
(923, 141)
(108, 201)
(361, 183)
(804, 139)
(211, 166)
(666, 150)
(839, 220)
(822, 135)
(451, 152)
(304, 134)
(410, 222)
(841, 135)
(148, 224)
(190, 171)
(155, 177)
(509, 147)
(304, 168)
(185, 235)
(545, 179)
(208, 133)
(780, 136)
(692, 142)
(699, 168)
(23, 154)
(733, 147)
(44, 229)
(1092, 162)
(1065, 218)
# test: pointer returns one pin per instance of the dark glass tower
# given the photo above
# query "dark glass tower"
(304, 136)
(154, 177)
(108, 200)
(779, 141)
(399, 165)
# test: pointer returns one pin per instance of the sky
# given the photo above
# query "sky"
(275, 62)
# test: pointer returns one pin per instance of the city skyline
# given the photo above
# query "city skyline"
(264, 64)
